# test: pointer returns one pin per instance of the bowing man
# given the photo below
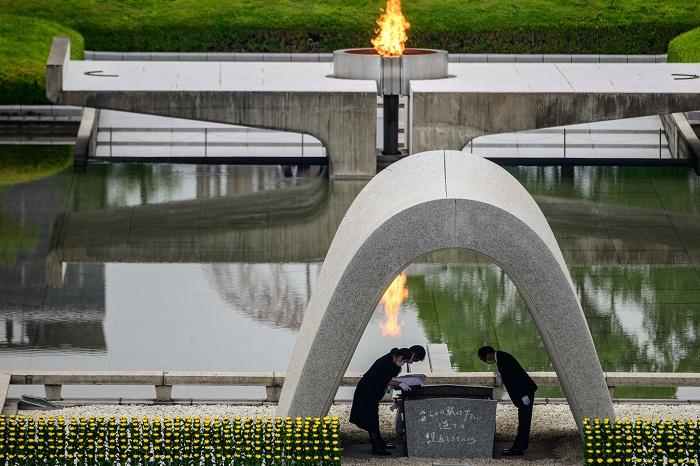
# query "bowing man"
(521, 390)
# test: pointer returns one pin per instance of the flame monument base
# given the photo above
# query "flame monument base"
(392, 75)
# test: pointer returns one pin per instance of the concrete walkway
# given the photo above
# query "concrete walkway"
(91, 75)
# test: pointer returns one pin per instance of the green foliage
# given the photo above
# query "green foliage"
(460, 26)
(20, 164)
(534, 26)
(640, 442)
(169, 441)
(24, 48)
(685, 48)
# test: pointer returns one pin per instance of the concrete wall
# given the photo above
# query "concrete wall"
(683, 143)
(449, 120)
(86, 140)
(345, 123)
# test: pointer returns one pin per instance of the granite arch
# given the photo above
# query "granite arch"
(427, 202)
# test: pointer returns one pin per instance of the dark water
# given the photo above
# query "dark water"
(210, 268)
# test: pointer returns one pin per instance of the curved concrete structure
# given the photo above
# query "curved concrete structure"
(427, 202)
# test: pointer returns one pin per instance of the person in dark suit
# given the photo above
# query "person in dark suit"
(371, 388)
(521, 390)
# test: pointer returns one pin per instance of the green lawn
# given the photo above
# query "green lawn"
(24, 47)
(517, 26)
(685, 48)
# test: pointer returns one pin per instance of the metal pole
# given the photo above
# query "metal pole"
(391, 125)
(110, 141)
(206, 137)
(564, 142)
(302, 145)
(660, 131)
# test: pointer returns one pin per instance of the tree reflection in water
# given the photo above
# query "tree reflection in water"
(275, 294)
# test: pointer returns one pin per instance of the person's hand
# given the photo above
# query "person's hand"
(526, 400)
(405, 387)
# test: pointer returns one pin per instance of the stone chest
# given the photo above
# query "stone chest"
(449, 421)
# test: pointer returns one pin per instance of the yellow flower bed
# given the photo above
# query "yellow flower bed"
(632, 442)
(25, 440)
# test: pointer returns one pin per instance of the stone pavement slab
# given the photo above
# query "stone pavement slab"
(564, 77)
(207, 76)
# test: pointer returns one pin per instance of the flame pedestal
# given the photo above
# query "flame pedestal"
(392, 76)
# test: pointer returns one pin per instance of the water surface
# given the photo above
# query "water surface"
(168, 267)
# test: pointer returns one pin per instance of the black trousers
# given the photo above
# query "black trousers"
(522, 440)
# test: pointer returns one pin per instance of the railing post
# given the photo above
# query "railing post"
(274, 389)
(110, 141)
(164, 393)
(564, 142)
(273, 393)
(206, 132)
(660, 139)
(52, 392)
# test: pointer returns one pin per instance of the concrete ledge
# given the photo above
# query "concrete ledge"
(557, 58)
(164, 381)
(221, 378)
(86, 140)
(86, 377)
(585, 58)
(661, 379)
(42, 110)
(550, 379)
(529, 58)
(328, 57)
(59, 56)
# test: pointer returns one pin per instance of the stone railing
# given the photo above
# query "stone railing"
(163, 381)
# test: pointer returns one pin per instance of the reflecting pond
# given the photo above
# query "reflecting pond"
(175, 267)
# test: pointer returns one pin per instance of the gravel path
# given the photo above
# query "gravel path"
(551, 424)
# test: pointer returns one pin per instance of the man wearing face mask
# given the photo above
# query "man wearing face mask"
(521, 390)
(371, 388)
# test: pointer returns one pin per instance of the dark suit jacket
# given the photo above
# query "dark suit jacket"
(514, 377)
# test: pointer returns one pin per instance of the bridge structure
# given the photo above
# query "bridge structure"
(477, 99)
